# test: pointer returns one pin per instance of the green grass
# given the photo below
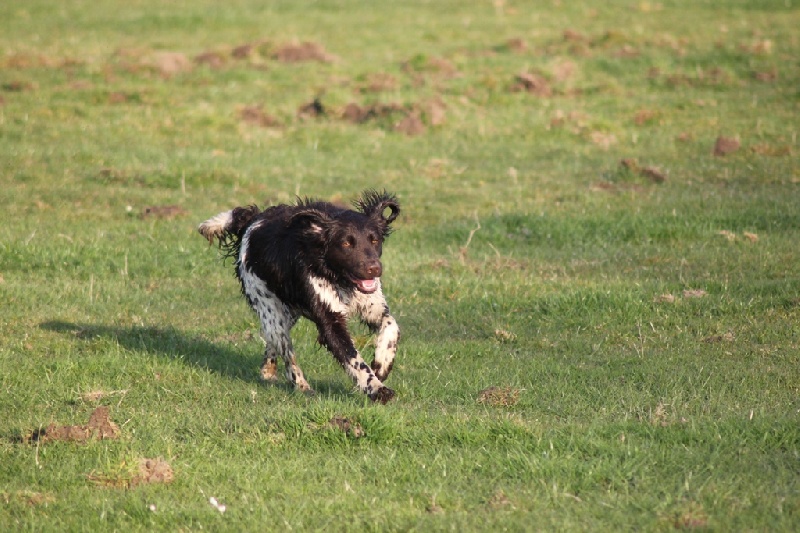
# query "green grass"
(647, 334)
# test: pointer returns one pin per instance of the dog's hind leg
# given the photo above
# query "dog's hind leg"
(276, 323)
(279, 344)
(269, 367)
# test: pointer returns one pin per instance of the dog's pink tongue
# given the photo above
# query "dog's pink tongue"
(367, 285)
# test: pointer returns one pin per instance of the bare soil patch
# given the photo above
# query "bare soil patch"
(771, 150)
(532, 83)
(406, 119)
(169, 64)
(651, 173)
(726, 146)
(435, 111)
(162, 212)
(213, 60)
(644, 117)
(256, 116)
(603, 139)
(99, 427)
(411, 124)
(18, 86)
(357, 114)
(767, 76)
(379, 82)
(437, 66)
(300, 52)
(564, 70)
(153, 471)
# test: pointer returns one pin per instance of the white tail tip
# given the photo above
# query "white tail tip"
(216, 226)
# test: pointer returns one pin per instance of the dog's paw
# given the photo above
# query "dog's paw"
(382, 395)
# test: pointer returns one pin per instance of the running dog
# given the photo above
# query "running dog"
(322, 262)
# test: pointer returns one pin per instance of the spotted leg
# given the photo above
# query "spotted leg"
(279, 344)
(385, 345)
(373, 311)
(276, 323)
(334, 336)
(269, 368)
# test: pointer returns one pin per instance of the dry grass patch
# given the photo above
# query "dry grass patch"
(499, 396)
(141, 472)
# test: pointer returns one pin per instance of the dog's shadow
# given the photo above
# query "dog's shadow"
(197, 351)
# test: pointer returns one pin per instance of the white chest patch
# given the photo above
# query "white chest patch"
(336, 300)
(348, 303)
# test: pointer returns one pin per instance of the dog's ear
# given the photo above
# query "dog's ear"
(374, 204)
(311, 222)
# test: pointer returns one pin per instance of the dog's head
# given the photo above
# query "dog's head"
(350, 242)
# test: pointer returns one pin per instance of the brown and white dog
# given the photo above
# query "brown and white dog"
(320, 261)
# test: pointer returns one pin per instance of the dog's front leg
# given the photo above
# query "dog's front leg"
(334, 336)
(385, 344)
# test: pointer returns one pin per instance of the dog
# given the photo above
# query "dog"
(322, 262)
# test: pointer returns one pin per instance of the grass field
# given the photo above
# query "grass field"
(595, 271)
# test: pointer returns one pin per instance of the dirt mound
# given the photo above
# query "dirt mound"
(256, 116)
(532, 83)
(726, 145)
(214, 60)
(169, 64)
(407, 119)
(153, 471)
(653, 174)
(437, 66)
(379, 82)
(99, 427)
(358, 115)
(411, 125)
(306, 51)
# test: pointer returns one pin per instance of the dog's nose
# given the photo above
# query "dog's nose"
(374, 269)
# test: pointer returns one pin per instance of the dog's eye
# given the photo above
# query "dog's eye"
(346, 244)
(375, 241)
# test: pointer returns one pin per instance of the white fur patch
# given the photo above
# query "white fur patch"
(215, 226)
(370, 307)
(386, 341)
(330, 296)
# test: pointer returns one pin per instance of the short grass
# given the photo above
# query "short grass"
(639, 323)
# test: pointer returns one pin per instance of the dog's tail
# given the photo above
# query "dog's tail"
(229, 227)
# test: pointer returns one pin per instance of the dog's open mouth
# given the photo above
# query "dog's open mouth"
(367, 285)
